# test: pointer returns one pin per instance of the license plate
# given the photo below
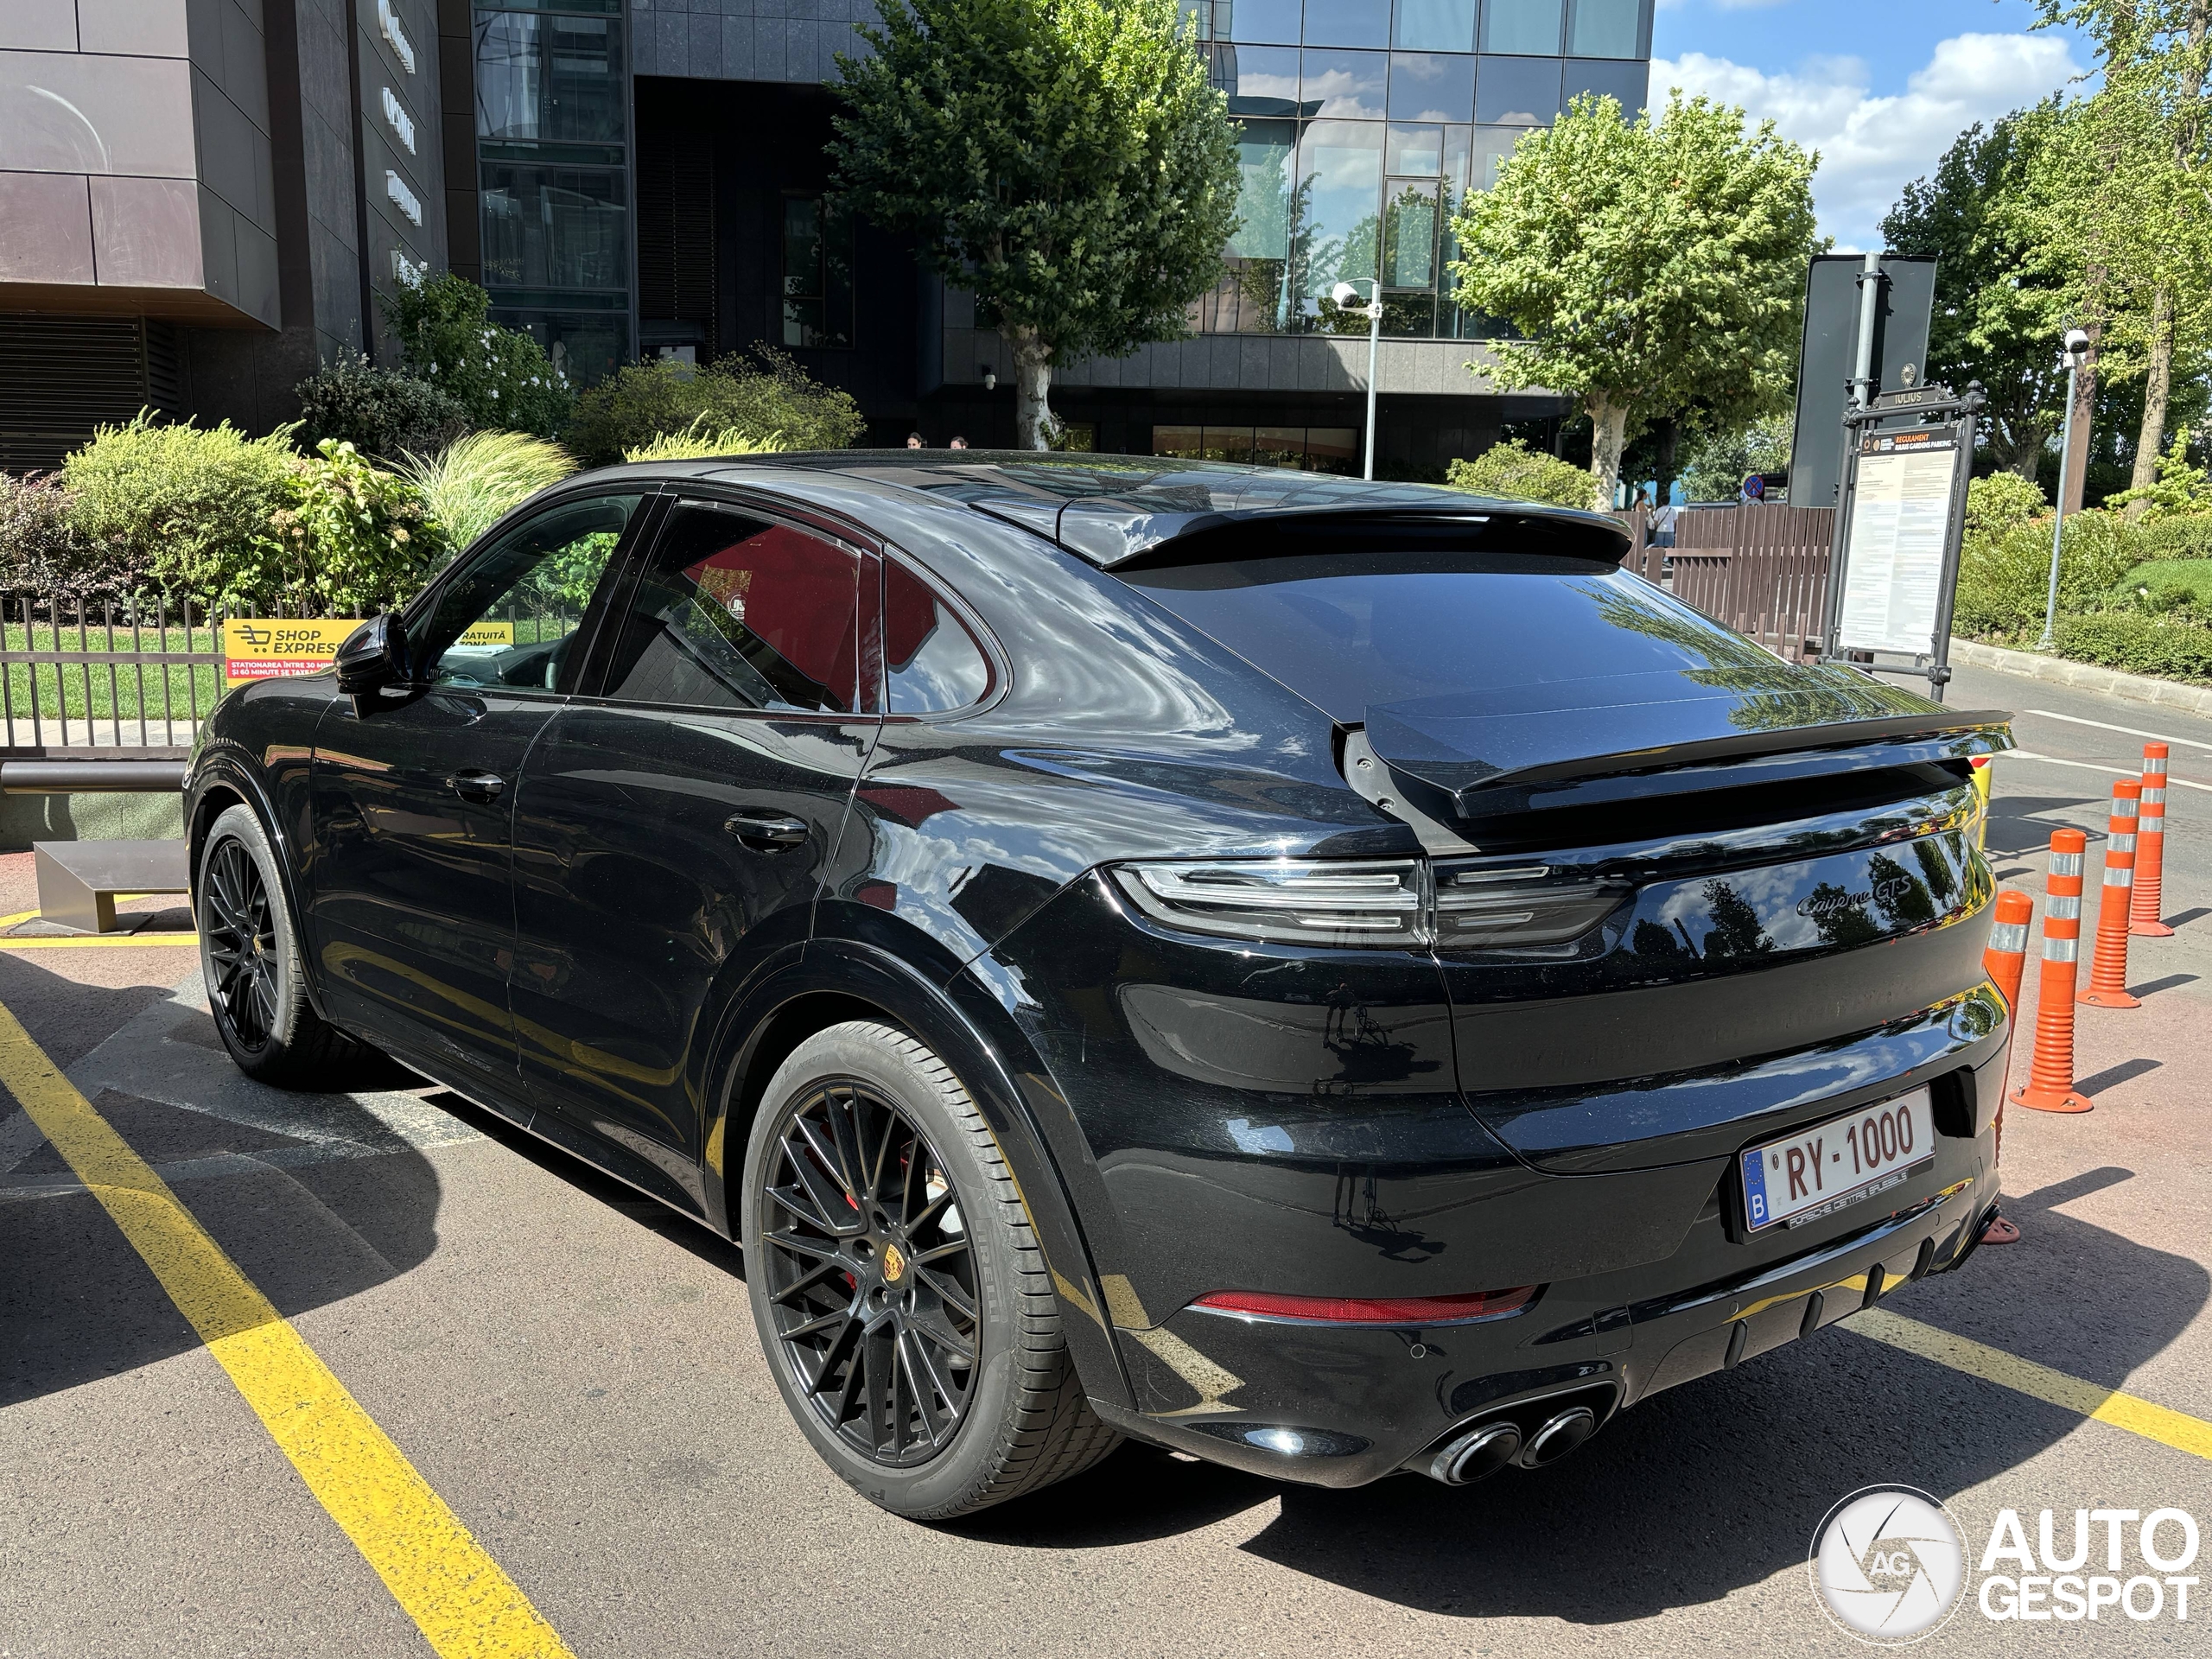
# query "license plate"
(1837, 1164)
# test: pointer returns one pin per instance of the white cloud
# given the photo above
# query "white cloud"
(1872, 147)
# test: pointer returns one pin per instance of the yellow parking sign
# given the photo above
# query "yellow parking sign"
(263, 648)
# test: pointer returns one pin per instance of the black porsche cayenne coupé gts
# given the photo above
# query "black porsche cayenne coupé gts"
(1333, 978)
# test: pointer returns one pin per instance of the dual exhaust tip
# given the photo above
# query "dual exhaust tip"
(1484, 1450)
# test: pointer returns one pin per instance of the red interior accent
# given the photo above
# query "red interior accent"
(1352, 1310)
(798, 595)
(909, 615)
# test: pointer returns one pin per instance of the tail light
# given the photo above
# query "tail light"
(1382, 902)
(1291, 900)
(1355, 1310)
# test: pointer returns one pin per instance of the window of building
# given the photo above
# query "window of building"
(1435, 26)
(1531, 26)
(1432, 86)
(552, 133)
(1304, 448)
(1264, 22)
(1623, 81)
(1260, 80)
(549, 79)
(1605, 28)
(817, 273)
(1517, 91)
(554, 227)
(1347, 22)
(1344, 85)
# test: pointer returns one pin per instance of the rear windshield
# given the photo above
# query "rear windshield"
(1351, 632)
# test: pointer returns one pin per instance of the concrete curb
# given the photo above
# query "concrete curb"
(2170, 693)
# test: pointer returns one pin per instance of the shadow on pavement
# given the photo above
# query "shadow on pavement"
(312, 1217)
(1706, 1488)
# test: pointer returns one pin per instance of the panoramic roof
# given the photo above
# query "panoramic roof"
(1111, 509)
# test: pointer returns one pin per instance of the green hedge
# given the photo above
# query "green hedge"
(2138, 644)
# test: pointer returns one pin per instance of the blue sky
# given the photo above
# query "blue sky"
(1880, 88)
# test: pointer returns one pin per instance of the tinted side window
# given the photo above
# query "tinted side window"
(511, 618)
(930, 662)
(732, 612)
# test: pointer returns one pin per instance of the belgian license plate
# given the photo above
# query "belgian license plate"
(1834, 1164)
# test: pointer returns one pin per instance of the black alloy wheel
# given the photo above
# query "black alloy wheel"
(871, 1274)
(240, 928)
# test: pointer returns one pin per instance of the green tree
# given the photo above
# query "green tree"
(1998, 315)
(1064, 160)
(2129, 205)
(1651, 266)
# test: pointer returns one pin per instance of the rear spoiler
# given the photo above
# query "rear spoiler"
(1466, 790)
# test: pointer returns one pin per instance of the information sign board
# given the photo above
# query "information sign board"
(1897, 543)
(264, 648)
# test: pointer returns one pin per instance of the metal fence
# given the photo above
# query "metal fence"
(109, 678)
(1762, 571)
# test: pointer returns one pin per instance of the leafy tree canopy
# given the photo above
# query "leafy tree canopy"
(1651, 266)
(1066, 160)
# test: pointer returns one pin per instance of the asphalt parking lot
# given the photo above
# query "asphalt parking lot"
(572, 1374)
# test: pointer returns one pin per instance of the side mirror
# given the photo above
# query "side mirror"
(373, 657)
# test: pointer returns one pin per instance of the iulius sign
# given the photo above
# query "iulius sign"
(267, 648)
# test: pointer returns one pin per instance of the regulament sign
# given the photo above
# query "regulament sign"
(266, 648)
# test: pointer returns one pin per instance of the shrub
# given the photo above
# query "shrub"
(2004, 580)
(499, 377)
(40, 551)
(2138, 644)
(1999, 503)
(180, 507)
(476, 480)
(380, 412)
(765, 396)
(1512, 470)
(699, 441)
(352, 535)
(2187, 535)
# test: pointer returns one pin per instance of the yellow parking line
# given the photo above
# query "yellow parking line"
(2154, 1422)
(78, 941)
(456, 1593)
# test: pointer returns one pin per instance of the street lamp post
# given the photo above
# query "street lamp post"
(2077, 346)
(1347, 299)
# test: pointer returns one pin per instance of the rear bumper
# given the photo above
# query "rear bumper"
(1343, 1405)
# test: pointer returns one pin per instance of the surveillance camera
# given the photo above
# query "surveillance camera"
(1346, 296)
(2077, 341)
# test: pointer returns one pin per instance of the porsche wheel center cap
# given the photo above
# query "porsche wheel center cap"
(895, 1265)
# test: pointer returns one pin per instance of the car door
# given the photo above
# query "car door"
(410, 908)
(673, 828)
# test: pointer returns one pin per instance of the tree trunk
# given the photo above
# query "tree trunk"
(2157, 391)
(1608, 437)
(1035, 426)
(1667, 433)
(2076, 459)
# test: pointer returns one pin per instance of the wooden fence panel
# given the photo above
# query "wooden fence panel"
(1761, 570)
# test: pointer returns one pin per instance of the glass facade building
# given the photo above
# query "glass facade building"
(552, 119)
(1362, 124)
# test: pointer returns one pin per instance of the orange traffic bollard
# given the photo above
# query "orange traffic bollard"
(2050, 1087)
(2107, 987)
(2006, 959)
(2143, 917)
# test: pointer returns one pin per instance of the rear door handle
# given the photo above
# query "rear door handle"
(767, 832)
(483, 786)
